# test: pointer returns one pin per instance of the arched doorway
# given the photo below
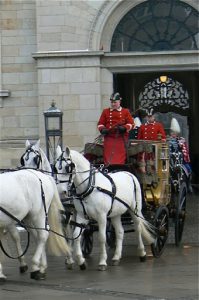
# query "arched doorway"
(168, 98)
(132, 86)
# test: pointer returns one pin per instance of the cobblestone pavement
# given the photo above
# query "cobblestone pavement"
(173, 276)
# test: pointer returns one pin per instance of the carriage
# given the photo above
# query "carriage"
(155, 176)
(160, 172)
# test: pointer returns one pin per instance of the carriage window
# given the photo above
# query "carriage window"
(157, 25)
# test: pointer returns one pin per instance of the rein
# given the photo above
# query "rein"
(22, 224)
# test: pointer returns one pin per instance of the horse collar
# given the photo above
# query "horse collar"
(90, 187)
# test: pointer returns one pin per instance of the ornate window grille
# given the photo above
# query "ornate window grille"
(164, 92)
(157, 25)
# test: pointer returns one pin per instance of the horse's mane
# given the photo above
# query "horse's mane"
(80, 160)
(47, 166)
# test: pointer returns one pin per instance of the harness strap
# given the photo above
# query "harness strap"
(90, 188)
(44, 204)
(112, 194)
(21, 223)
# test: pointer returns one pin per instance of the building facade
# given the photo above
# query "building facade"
(78, 52)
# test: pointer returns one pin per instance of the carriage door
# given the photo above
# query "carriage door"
(169, 99)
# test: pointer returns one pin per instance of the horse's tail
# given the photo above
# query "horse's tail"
(147, 229)
(56, 244)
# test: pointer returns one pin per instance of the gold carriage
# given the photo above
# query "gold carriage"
(149, 161)
(165, 197)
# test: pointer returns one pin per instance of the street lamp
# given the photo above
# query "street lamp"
(53, 131)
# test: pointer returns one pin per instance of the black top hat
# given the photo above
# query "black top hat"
(115, 97)
(149, 111)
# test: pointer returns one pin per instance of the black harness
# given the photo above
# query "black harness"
(91, 185)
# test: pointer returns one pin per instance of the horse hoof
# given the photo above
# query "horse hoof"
(143, 258)
(82, 267)
(115, 262)
(37, 275)
(102, 268)
(23, 269)
(2, 280)
(70, 266)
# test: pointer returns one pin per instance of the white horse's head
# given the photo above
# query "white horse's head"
(32, 156)
(65, 170)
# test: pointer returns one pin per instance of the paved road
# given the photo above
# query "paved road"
(172, 276)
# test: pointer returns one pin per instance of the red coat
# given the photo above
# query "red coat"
(114, 142)
(151, 131)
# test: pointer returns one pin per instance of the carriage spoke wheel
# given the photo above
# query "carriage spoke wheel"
(87, 241)
(110, 234)
(180, 213)
(161, 222)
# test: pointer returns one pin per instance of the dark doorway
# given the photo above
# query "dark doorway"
(131, 85)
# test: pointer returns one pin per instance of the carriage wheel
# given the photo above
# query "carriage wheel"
(110, 234)
(87, 241)
(180, 213)
(161, 222)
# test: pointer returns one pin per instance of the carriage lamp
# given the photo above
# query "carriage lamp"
(53, 131)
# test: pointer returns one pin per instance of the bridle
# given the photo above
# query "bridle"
(25, 157)
(69, 170)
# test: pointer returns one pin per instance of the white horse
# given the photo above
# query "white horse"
(32, 197)
(35, 158)
(98, 196)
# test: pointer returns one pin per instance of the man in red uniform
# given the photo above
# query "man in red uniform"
(151, 130)
(114, 124)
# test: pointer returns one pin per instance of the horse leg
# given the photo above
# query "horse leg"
(119, 233)
(43, 265)
(2, 276)
(77, 243)
(138, 230)
(102, 222)
(39, 261)
(16, 238)
(69, 261)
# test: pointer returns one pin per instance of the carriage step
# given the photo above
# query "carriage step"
(129, 230)
(127, 223)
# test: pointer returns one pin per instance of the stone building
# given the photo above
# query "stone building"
(78, 52)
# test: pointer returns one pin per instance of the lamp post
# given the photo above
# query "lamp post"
(53, 131)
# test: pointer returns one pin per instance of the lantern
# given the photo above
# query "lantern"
(53, 131)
